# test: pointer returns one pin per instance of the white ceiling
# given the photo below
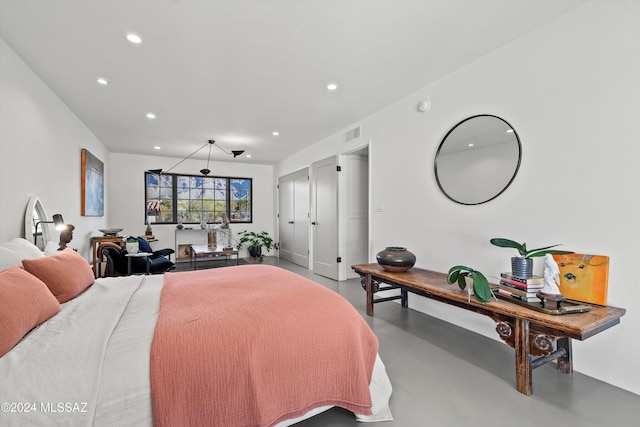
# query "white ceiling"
(235, 71)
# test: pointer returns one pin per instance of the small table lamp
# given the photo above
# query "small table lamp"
(57, 221)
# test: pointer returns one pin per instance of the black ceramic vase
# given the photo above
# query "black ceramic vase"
(396, 259)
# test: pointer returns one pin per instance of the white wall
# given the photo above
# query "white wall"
(572, 92)
(40, 145)
(127, 193)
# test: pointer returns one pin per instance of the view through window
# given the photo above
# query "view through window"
(173, 198)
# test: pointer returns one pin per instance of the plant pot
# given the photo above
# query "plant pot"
(396, 259)
(132, 247)
(255, 251)
(522, 267)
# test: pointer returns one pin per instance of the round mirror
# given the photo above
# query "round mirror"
(477, 159)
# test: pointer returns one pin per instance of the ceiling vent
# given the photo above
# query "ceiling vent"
(352, 134)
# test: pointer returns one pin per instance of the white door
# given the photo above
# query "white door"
(285, 218)
(324, 218)
(293, 196)
(301, 218)
(357, 212)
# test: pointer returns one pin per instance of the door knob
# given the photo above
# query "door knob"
(290, 222)
(314, 223)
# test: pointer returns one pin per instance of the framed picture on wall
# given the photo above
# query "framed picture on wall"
(92, 185)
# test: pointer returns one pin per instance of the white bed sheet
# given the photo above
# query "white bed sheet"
(89, 364)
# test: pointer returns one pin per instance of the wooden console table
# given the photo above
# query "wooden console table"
(537, 338)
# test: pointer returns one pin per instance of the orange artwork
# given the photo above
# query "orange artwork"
(584, 277)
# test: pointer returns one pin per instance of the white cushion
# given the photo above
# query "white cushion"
(13, 252)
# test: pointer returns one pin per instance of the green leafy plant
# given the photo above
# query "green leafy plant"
(481, 288)
(257, 241)
(527, 253)
(132, 239)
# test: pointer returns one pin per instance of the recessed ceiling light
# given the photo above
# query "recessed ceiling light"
(248, 155)
(156, 148)
(134, 38)
(509, 130)
(102, 81)
(275, 133)
(151, 116)
(332, 86)
(470, 145)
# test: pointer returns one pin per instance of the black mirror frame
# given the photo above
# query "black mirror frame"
(435, 160)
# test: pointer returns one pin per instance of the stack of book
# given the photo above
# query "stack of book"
(520, 288)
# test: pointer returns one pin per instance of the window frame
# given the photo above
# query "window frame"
(229, 201)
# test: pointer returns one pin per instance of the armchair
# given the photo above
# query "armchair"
(117, 262)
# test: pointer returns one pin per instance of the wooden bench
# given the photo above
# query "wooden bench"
(537, 338)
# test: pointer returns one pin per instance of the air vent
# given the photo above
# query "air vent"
(352, 134)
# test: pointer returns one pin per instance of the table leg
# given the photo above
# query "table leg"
(565, 363)
(128, 266)
(523, 359)
(405, 298)
(369, 289)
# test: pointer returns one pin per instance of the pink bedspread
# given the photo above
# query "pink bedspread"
(254, 345)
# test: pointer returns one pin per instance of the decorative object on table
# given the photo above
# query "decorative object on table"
(148, 233)
(110, 231)
(550, 294)
(224, 220)
(66, 236)
(206, 171)
(551, 276)
(551, 301)
(256, 241)
(203, 224)
(396, 259)
(92, 185)
(480, 285)
(211, 238)
(132, 245)
(521, 289)
(584, 277)
(184, 251)
(57, 221)
(179, 226)
(522, 266)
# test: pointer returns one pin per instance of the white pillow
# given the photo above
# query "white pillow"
(13, 252)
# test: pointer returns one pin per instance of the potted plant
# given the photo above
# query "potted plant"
(481, 288)
(132, 245)
(522, 266)
(255, 242)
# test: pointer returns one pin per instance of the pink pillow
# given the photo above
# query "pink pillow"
(66, 273)
(25, 302)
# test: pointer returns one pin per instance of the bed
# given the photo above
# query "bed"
(129, 351)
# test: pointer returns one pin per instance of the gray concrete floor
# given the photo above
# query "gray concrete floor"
(444, 375)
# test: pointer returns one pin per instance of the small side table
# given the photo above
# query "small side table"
(144, 255)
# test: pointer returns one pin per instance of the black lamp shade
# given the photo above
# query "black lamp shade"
(58, 222)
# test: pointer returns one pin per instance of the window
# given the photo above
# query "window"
(188, 199)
